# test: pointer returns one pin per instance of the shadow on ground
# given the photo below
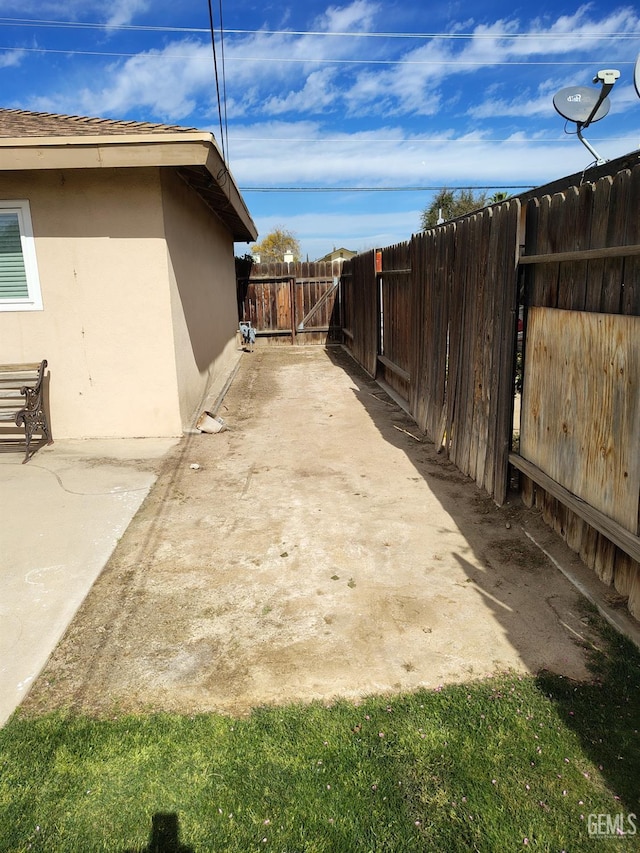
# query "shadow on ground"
(296, 556)
(164, 837)
(584, 705)
(511, 565)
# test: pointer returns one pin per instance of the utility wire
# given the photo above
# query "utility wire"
(34, 22)
(355, 139)
(327, 61)
(224, 80)
(215, 67)
(379, 189)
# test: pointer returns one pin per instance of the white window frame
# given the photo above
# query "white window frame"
(33, 301)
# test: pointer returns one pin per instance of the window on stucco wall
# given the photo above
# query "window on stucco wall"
(19, 280)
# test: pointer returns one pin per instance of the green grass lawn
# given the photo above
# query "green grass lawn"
(508, 763)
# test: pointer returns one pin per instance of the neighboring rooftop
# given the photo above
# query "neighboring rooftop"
(19, 123)
(340, 254)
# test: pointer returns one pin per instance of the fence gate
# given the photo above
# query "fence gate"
(302, 308)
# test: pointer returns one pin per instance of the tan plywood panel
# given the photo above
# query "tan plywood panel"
(581, 406)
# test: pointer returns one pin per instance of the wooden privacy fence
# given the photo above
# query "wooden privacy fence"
(580, 430)
(293, 303)
(435, 320)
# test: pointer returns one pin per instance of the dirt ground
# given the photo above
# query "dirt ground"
(321, 548)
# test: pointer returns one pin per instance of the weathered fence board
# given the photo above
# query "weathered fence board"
(581, 406)
(606, 218)
(431, 255)
(482, 345)
(436, 323)
(631, 291)
(598, 240)
(397, 296)
(361, 310)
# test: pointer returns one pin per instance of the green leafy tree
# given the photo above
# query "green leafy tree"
(452, 203)
(497, 197)
(276, 244)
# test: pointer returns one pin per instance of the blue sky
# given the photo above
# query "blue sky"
(353, 96)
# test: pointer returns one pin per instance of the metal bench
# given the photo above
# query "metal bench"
(21, 400)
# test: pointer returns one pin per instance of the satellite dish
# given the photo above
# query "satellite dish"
(584, 106)
(636, 75)
(576, 103)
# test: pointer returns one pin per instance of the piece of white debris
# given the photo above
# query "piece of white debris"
(194, 466)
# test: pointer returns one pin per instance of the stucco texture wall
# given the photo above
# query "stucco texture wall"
(106, 328)
(203, 293)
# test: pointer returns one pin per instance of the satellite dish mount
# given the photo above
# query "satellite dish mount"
(585, 105)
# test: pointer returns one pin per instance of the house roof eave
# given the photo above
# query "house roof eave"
(190, 152)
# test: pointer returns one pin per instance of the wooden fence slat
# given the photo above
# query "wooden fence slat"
(545, 291)
(613, 269)
(598, 240)
(455, 347)
(504, 386)
(631, 291)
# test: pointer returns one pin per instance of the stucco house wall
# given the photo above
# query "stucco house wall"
(106, 318)
(133, 233)
(201, 274)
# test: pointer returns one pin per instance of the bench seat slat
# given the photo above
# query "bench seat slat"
(27, 409)
(17, 368)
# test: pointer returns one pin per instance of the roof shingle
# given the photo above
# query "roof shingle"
(19, 123)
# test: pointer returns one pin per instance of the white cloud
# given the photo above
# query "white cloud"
(623, 98)
(118, 11)
(124, 11)
(166, 83)
(317, 94)
(176, 83)
(11, 58)
(415, 85)
(358, 16)
(389, 157)
(523, 105)
(261, 80)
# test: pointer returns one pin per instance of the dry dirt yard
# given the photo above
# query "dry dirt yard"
(322, 548)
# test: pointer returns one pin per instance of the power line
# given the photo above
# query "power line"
(281, 60)
(215, 67)
(440, 62)
(34, 22)
(355, 139)
(380, 189)
(224, 79)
